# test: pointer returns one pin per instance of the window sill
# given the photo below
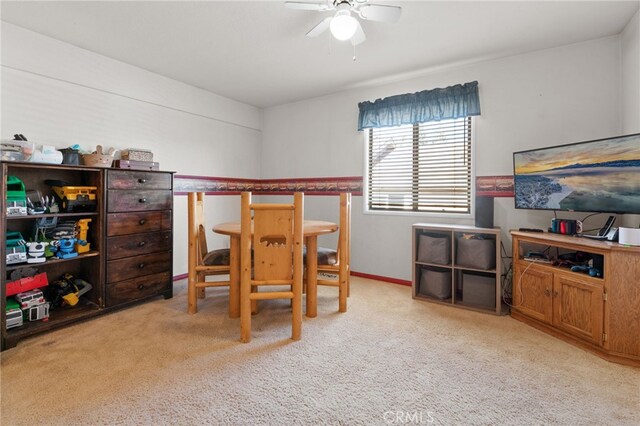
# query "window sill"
(459, 216)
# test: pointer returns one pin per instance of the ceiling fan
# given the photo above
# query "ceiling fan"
(343, 25)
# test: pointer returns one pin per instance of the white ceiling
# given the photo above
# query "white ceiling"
(256, 51)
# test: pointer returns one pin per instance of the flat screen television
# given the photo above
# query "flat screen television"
(602, 175)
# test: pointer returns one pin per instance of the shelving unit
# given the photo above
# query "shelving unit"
(91, 266)
(597, 313)
(458, 265)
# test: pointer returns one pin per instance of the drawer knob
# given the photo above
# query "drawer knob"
(142, 221)
(142, 180)
(141, 265)
(141, 286)
(142, 200)
(141, 243)
(547, 292)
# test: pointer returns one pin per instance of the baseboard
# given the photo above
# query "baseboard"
(381, 278)
(180, 277)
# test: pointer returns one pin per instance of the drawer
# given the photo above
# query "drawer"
(133, 223)
(132, 179)
(138, 288)
(138, 266)
(136, 244)
(127, 201)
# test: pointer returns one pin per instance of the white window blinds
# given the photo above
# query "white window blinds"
(424, 167)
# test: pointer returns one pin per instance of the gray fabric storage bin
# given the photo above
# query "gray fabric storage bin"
(435, 284)
(479, 290)
(434, 249)
(476, 253)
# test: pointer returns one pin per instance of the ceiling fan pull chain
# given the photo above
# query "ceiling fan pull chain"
(354, 53)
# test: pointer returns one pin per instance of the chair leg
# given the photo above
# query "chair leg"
(192, 300)
(200, 291)
(245, 319)
(342, 297)
(254, 303)
(343, 288)
(296, 307)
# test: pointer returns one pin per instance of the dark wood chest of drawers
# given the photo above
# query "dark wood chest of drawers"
(139, 235)
(130, 233)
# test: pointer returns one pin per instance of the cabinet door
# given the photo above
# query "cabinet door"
(532, 291)
(578, 307)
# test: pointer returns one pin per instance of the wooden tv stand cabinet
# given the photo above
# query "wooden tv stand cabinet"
(599, 314)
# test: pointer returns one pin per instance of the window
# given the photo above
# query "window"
(422, 167)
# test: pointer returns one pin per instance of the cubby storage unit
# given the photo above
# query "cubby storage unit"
(458, 265)
(143, 234)
(598, 313)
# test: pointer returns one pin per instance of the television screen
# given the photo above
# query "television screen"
(594, 176)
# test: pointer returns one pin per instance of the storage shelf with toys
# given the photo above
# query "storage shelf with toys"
(50, 215)
(57, 318)
(54, 255)
(49, 237)
(51, 261)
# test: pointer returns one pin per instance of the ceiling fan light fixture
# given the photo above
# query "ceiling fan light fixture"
(343, 26)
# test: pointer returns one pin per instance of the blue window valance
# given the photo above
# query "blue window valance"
(456, 101)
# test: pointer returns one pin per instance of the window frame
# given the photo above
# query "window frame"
(463, 216)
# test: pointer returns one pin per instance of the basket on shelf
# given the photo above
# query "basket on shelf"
(98, 158)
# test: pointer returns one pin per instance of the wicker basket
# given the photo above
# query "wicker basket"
(98, 158)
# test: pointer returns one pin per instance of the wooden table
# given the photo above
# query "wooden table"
(312, 228)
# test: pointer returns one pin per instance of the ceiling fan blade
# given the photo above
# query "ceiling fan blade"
(320, 27)
(300, 5)
(359, 36)
(380, 12)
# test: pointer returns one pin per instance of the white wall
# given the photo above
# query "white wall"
(544, 98)
(58, 94)
(630, 46)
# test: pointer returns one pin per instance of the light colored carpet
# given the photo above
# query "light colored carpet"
(388, 360)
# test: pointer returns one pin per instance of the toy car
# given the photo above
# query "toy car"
(16, 249)
(16, 197)
(37, 312)
(30, 298)
(13, 314)
(76, 198)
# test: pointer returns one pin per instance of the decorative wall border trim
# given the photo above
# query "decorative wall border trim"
(494, 186)
(234, 186)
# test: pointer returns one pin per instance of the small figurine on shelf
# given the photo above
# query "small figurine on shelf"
(65, 248)
(35, 252)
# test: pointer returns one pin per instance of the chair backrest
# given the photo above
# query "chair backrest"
(277, 239)
(344, 236)
(197, 233)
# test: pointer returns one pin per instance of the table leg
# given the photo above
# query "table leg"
(312, 276)
(234, 277)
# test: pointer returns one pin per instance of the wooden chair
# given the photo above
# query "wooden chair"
(338, 262)
(202, 262)
(277, 242)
